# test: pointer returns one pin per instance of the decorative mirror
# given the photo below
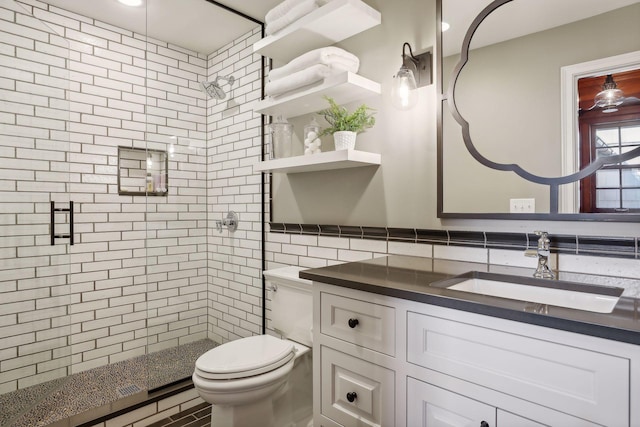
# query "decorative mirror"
(540, 111)
(142, 172)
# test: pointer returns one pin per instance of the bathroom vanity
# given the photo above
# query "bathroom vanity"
(396, 344)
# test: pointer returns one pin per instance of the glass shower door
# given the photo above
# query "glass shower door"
(35, 345)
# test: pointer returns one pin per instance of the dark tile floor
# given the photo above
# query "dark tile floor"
(198, 416)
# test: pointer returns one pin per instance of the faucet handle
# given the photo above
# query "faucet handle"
(543, 241)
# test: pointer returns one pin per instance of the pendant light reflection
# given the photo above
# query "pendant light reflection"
(172, 146)
(610, 96)
(404, 94)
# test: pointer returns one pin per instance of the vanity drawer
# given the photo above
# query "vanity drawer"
(576, 381)
(359, 322)
(354, 391)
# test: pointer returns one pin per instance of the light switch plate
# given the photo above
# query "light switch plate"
(522, 205)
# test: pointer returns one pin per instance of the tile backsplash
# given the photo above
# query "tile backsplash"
(310, 245)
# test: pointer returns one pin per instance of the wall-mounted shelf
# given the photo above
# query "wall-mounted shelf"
(329, 24)
(329, 160)
(344, 88)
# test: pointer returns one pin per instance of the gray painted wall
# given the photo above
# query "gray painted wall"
(402, 191)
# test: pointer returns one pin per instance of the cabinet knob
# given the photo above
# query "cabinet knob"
(353, 323)
(484, 424)
(352, 396)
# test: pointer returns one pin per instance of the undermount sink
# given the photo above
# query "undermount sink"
(598, 299)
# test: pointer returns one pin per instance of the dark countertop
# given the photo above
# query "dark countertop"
(420, 279)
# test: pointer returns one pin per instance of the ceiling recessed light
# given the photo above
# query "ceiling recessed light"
(131, 2)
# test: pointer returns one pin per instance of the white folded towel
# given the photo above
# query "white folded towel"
(283, 8)
(299, 9)
(299, 79)
(332, 56)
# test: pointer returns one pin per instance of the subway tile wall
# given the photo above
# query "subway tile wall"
(234, 141)
(34, 316)
(144, 271)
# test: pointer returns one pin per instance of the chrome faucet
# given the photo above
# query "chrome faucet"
(542, 252)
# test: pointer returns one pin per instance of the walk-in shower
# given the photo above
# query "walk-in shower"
(139, 295)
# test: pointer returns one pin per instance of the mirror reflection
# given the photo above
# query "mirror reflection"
(519, 93)
(609, 125)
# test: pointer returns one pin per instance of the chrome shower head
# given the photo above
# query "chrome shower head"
(214, 89)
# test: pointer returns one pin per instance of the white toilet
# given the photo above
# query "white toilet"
(263, 380)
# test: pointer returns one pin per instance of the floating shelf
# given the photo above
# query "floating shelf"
(329, 24)
(344, 88)
(329, 160)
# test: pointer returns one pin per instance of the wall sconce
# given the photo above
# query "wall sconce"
(404, 95)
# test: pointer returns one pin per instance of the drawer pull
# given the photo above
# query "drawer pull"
(353, 323)
(484, 424)
(352, 396)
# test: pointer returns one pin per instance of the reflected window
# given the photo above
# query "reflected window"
(610, 129)
(615, 187)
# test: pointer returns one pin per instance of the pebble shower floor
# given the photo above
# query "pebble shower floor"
(82, 392)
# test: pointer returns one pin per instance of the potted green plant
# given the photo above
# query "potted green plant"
(343, 125)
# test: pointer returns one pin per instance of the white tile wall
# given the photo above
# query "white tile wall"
(234, 145)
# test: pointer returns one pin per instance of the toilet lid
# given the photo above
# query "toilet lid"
(245, 357)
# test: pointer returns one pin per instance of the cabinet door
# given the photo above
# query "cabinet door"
(507, 419)
(544, 417)
(579, 382)
(432, 406)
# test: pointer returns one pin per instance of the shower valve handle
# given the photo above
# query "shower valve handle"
(230, 221)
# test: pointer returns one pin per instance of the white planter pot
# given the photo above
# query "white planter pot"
(344, 140)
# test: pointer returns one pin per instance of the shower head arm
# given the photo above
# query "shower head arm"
(229, 79)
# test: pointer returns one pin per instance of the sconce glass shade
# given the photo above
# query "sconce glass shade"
(404, 94)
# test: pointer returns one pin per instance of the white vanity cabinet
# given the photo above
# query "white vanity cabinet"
(384, 361)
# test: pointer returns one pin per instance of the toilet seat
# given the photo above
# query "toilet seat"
(245, 357)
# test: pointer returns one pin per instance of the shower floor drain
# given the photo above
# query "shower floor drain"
(129, 390)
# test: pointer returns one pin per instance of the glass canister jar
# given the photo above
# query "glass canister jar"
(280, 132)
(312, 138)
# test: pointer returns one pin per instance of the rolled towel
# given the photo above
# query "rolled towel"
(281, 9)
(332, 56)
(299, 79)
(296, 12)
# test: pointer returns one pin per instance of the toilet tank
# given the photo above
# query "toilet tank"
(291, 303)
